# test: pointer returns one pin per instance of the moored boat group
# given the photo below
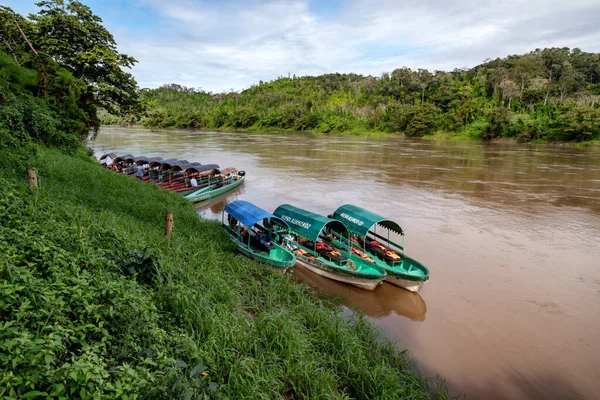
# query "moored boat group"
(352, 245)
(192, 180)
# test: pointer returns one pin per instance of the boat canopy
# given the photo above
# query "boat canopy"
(155, 162)
(111, 155)
(306, 223)
(123, 158)
(249, 215)
(141, 160)
(361, 221)
(167, 164)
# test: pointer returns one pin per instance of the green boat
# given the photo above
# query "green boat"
(369, 245)
(213, 190)
(316, 251)
(256, 233)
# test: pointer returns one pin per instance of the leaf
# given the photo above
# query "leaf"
(198, 369)
(57, 389)
(34, 394)
(213, 387)
(181, 364)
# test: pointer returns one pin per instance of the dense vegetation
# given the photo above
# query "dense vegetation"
(551, 94)
(95, 303)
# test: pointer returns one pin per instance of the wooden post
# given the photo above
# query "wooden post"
(168, 225)
(32, 178)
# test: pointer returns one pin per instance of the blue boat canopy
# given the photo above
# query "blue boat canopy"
(361, 221)
(306, 223)
(249, 215)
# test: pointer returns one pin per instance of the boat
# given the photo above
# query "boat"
(251, 230)
(107, 156)
(217, 187)
(314, 250)
(368, 244)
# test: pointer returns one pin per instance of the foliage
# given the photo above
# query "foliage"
(69, 32)
(73, 59)
(528, 97)
(95, 303)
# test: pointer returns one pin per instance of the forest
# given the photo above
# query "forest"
(550, 94)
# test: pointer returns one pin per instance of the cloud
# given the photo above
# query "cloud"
(218, 45)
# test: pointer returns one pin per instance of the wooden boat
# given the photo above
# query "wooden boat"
(107, 156)
(250, 228)
(369, 245)
(216, 188)
(314, 252)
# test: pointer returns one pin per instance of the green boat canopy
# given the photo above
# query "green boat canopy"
(306, 223)
(361, 221)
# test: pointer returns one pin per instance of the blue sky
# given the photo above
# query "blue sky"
(232, 44)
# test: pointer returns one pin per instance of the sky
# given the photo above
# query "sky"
(220, 45)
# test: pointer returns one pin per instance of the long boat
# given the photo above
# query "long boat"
(251, 230)
(216, 189)
(314, 251)
(369, 245)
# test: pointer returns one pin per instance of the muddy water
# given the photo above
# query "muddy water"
(511, 234)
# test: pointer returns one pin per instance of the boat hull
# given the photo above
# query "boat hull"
(404, 283)
(281, 265)
(367, 284)
(404, 278)
(205, 195)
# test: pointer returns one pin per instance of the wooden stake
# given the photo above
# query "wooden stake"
(32, 178)
(168, 225)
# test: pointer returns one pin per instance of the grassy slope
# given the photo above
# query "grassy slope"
(94, 301)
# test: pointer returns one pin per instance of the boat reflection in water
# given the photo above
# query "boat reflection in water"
(212, 208)
(378, 303)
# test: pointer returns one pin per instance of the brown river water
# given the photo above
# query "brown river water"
(510, 233)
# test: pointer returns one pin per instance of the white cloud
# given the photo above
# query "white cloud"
(233, 44)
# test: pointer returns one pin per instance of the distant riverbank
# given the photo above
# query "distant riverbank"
(441, 135)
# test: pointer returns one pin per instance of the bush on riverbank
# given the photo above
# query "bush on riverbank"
(95, 302)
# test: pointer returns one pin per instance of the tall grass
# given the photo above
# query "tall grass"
(95, 303)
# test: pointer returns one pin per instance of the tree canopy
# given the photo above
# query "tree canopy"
(64, 55)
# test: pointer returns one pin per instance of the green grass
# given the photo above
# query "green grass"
(95, 303)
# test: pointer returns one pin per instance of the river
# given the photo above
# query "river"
(510, 233)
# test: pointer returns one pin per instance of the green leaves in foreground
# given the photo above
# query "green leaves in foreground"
(95, 304)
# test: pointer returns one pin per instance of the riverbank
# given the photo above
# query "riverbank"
(441, 135)
(97, 302)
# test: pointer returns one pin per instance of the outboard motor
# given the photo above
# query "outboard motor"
(241, 173)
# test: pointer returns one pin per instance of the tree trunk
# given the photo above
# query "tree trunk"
(12, 52)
